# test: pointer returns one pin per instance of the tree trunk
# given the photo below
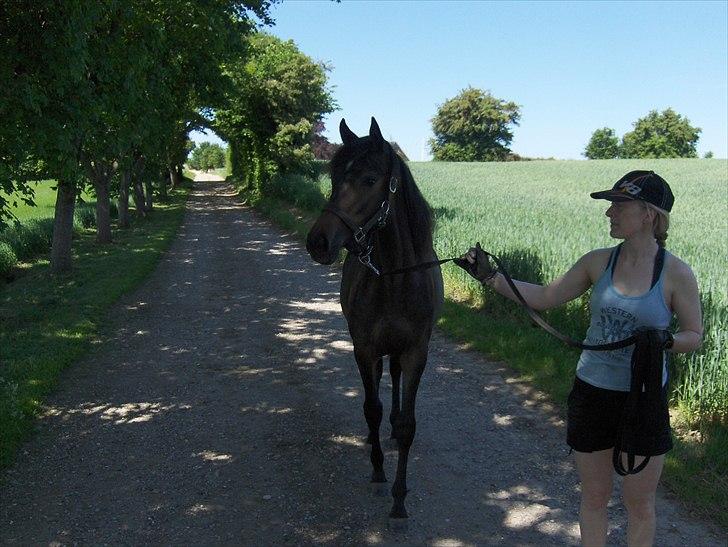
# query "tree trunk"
(149, 205)
(63, 227)
(175, 177)
(124, 184)
(141, 209)
(163, 184)
(103, 209)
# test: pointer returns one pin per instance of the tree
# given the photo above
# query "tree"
(45, 102)
(603, 145)
(473, 126)
(278, 96)
(320, 146)
(661, 135)
(207, 156)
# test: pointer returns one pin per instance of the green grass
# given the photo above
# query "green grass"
(45, 201)
(538, 216)
(47, 323)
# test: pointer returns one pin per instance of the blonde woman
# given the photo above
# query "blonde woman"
(636, 285)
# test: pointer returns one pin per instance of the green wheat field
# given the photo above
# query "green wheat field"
(538, 216)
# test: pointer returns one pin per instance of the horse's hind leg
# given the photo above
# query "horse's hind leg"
(413, 364)
(370, 369)
(395, 371)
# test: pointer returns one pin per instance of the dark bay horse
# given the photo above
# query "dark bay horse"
(377, 212)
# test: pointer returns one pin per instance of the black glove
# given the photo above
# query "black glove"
(664, 337)
(477, 263)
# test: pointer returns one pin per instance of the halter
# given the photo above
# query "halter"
(362, 235)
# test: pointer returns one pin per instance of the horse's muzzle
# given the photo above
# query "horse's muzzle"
(318, 247)
(326, 238)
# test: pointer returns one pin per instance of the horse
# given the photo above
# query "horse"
(379, 215)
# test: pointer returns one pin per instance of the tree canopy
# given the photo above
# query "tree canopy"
(207, 156)
(474, 126)
(664, 134)
(278, 97)
(96, 88)
(603, 145)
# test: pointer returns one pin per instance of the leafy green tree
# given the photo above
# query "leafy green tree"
(664, 134)
(708, 155)
(207, 156)
(278, 96)
(474, 126)
(44, 102)
(603, 145)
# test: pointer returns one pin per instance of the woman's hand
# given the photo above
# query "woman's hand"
(663, 338)
(477, 263)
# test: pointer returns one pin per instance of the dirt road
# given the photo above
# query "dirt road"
(224, 407)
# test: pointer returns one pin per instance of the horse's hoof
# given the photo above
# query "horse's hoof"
(379, 489)
(398, 524)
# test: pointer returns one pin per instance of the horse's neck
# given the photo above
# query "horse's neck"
(393, 246)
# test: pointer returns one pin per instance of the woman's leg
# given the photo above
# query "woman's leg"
(596, 474)
(638, 492)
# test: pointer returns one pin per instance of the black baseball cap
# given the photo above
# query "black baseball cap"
(643, 185)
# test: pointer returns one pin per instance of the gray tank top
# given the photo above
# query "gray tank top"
(614, 317)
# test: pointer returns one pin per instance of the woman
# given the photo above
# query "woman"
(636, 285)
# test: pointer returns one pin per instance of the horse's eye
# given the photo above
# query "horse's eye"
(370, 181)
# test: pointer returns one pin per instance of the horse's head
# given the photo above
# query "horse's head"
(360, 184)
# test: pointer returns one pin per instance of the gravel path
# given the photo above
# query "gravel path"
(224, 407)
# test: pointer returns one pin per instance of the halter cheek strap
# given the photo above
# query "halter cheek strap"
(362, 235)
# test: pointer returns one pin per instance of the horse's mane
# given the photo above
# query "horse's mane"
(419, 213)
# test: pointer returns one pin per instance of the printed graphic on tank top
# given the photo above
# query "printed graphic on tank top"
(614, 317)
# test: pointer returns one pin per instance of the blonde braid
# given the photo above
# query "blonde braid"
(660, 223)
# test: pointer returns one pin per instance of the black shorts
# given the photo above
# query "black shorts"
(594, 416)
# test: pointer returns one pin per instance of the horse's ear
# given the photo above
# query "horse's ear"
(347, 135)
(375, 135)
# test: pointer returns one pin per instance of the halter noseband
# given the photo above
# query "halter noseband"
(362, 235)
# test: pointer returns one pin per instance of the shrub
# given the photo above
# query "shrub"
(7, 259)
(85, 215)
(31, 238)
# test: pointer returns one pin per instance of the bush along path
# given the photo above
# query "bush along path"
(224, 406)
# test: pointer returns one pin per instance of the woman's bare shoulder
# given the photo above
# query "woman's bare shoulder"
(596, 262)
(677, 269)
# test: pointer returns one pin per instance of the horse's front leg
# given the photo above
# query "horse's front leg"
(370, 369)
(413, 364)
(395, 371)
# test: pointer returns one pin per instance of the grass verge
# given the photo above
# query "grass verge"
(695, 470)
(48, 322)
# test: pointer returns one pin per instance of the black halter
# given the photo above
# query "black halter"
(362, 235)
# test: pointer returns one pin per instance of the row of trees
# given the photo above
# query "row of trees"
(476, 126)
(664, 134)
(98, 92)
(106, 93)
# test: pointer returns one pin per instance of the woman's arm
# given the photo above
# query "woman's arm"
(572, 284)
(686, 305)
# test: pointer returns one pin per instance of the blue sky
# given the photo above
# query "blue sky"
(572, 66)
